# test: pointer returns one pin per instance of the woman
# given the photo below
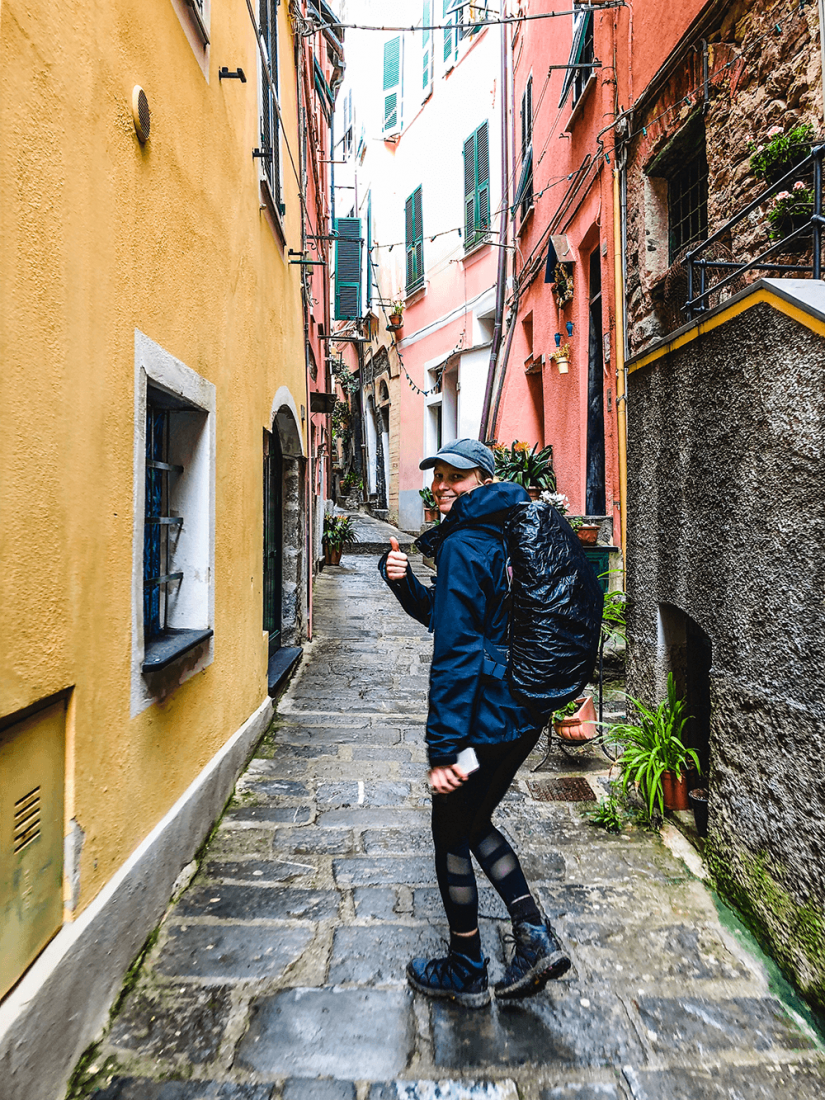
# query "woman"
(470, 705)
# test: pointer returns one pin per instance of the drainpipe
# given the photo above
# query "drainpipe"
(501, 278)
(621, 378)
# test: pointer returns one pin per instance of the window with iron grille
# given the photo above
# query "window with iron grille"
(476, 187)
(270, 159)
(687, 204)
(414, 240)
(160, 527)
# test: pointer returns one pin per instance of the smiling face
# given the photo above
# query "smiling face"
(449, 483)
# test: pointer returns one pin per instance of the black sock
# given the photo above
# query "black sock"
(525, 909)
(470, 946)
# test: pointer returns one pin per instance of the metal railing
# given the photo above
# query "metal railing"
(698, 302)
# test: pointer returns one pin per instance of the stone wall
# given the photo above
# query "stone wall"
(727, 523)
(758, 77)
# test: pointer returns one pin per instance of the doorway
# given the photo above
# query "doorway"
(273, 539)
(595, 495)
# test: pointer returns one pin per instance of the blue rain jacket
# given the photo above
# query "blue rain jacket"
(465, 607)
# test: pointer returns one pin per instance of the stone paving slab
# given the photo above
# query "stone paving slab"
(279, 973)
(329, 1032)
(231, 951)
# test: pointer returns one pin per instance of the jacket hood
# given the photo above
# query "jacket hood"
(485, 506)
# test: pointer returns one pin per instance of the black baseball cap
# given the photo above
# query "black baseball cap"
(464, 454)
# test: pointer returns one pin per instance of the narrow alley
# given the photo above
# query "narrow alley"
(279, 971)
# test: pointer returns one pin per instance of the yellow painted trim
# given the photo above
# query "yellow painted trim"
(769, 297)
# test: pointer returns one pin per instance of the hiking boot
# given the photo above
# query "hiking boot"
(455, 977)
(537, 958)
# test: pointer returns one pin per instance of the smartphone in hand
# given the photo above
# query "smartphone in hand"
(467, 760)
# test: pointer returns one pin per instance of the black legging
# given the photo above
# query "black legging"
(461, 822)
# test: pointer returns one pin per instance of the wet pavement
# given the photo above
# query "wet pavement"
(279, 973)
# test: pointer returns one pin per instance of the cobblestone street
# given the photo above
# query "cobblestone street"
(279, 971)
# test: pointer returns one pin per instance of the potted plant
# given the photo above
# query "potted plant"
(532, 469)
(431, 512)
(576, 721)
(791, 210)
(699, 803)
(397, 315)
(339, 532)
(654, 755)
(561, 357)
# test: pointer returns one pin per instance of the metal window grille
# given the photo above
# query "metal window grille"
(158, 523)
(687, 204)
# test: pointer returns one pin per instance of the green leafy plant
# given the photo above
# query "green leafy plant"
(790, 210)
(341, 426)
(608, 815)
(526, 467)
(653, 745)
(614, 613)
(352, 480)
(339, 531)
(576, 522)
(773, 158)
(566, 711)
(428, 498)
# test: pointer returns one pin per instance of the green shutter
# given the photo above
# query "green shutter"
(476, 186)
(469, 190)
(392, 84)
(427, 43)
(414, 240)
(369, 250)
(450, 31)
(348, 269)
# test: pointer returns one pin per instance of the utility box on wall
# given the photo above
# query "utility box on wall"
(32, 768)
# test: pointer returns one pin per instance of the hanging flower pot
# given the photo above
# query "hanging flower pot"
(561, 357)
(580, 725)
(675, 791)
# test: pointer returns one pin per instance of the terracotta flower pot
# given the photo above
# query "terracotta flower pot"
(332, 556)
(533, 492)
(675, 791)
(580, 726)
(430, 515)
(588, 534)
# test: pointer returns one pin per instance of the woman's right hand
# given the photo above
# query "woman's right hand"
(397, 562)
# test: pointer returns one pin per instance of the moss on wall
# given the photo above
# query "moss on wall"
(793, 932)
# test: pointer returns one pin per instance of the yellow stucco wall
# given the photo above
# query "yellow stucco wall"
(100, 236)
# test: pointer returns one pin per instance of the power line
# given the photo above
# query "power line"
(476, 23)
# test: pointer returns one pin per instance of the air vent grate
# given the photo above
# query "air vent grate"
(568, 789)
(26, 820)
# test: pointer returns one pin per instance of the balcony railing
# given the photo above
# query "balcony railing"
(698, 292)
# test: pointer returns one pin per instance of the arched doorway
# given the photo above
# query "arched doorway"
(273, 539)
(284, 527)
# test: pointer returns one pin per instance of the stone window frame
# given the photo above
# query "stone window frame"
(195, 18)
(156, 369)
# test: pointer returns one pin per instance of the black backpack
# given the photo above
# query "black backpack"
(555, 610)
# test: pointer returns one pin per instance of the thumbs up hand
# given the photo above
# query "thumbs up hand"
(396, 562)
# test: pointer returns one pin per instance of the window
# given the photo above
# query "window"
(580, 55)
(173, 560)
(348, 275)
(347, 142)
(451, 18)
(270, 151)
(687, 204)
(476, 187)
(427, 46)
(414, 240)
(199, 15)
(524, 191)
(393, 79)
